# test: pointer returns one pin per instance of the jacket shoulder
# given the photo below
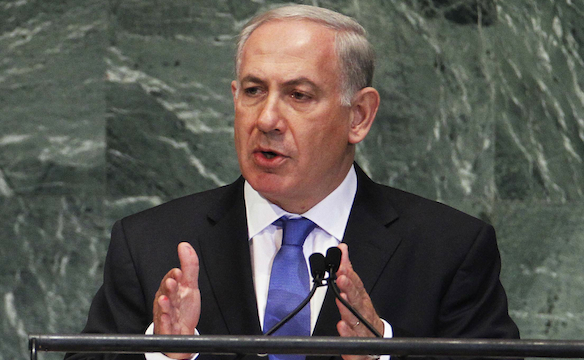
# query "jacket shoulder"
(409, 204)
(408, 207)
(190, 209)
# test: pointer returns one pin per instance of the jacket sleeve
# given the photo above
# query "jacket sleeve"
(475, 304)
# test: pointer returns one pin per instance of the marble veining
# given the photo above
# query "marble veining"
(112, 107)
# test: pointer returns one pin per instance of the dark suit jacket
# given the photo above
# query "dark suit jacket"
(431, 271)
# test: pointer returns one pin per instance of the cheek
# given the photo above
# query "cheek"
(241, 124)
(239, 137)
(321, 145)
(244, 120)
(335, 134)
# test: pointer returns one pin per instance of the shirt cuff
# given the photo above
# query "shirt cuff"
(387, 334)
(161, 356)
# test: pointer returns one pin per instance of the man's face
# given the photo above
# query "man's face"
(291, 133)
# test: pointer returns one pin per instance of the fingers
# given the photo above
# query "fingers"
(345, 262)
(177, 303)
(349, 283)
(162, 321)
(348, 325)
(346, 330)
(353, 291)
(163, 303)
(355, 285)
(169, 285)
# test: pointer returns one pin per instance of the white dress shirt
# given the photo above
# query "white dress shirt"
(330, 215)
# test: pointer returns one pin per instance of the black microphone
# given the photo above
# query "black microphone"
(333, 261)
(317, 269)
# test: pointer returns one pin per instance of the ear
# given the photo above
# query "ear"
(363, 111)
(234, 90)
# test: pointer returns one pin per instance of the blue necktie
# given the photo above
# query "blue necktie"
(289, 283)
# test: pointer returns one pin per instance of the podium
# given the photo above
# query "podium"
(312, 345)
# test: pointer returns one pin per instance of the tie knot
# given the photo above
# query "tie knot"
(294, 231)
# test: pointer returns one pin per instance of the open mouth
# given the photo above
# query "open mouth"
(269, 154)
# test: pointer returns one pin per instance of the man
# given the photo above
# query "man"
(303, 100)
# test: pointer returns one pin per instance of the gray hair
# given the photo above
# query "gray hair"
(353, 50)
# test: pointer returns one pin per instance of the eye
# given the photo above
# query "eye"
(300, 96)
(252, 91)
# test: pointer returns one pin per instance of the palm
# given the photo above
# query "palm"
(177, 306)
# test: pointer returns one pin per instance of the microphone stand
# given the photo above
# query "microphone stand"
(318, 266)
(318, 275)
(333, 258)
(297, 310)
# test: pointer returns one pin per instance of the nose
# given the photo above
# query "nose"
(270, 118)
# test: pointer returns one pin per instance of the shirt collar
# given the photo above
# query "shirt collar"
(331, 214)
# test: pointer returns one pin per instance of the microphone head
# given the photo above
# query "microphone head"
(333, 259)
(317, 265)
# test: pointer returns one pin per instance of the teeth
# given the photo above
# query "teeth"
(270, 155)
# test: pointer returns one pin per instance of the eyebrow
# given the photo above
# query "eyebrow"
(301, 81)
(293, 82)
(251, 78)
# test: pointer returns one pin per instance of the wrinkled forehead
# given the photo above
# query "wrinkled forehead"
(288, 43)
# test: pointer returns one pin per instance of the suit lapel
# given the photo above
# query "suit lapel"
(370, 237)
(371, 242)
(226, 258)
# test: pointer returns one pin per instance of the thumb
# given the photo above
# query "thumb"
(189, 264)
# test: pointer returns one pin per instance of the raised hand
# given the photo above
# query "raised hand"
(354, 293)
(177, 306)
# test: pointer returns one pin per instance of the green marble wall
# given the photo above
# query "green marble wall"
(110, 107)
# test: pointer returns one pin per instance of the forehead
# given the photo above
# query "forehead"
(298, 47)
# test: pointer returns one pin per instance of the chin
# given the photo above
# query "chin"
(268, 185)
